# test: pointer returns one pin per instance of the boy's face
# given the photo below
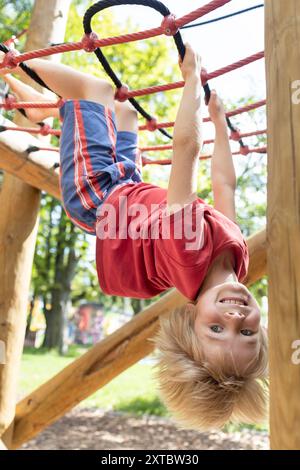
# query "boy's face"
(228, 323)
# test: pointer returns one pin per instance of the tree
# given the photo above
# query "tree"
(14, 17)
(63, 252)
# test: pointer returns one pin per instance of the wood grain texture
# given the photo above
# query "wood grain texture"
(34, 169)
(19, 204)
(283, 230)
(102, 363)
(2, 446)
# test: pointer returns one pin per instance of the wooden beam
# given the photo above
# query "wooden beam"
(2, 446)
(102, 363)
(36, 168)
(19, 204)
(283, 232)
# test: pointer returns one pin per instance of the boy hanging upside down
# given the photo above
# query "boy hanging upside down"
(213, 352)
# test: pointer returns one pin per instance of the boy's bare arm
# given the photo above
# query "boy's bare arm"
(187, 137)
(222, 168)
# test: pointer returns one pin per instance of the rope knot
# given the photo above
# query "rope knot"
(60, 102)
(235, 135)
(45, 129)
(89, 42)
(169, 26)
(9, 102)
(122, 93)
(10, 59)
(151, 125)
(244, 150)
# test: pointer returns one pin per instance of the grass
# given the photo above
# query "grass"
(134, 391)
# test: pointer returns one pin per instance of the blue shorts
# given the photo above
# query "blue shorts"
(95, 158)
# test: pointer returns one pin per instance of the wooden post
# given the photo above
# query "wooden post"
(2, 446)
(283, 231)
(18, 227)
(103, 362)
(35, 169)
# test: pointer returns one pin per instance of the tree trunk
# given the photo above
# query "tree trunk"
(18, 228)
(138, 305)
(29, 318)
(65, 266)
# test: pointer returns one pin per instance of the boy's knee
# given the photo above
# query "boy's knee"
(99, 91)
(125, 108)
(126, 116)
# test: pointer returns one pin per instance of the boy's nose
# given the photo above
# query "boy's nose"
(234, 316)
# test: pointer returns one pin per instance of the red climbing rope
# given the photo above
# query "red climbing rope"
(194, 15)
(90, 42)
(244, 109)
(235, 112)
(11, 103)
(47, 130)
(205, 77)
(206, 142)
(168, 161)
(172, 86)
(43, 130)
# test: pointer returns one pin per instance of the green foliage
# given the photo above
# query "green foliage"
(121, 394)
(54, 229)
(142, 406)
(14, 17)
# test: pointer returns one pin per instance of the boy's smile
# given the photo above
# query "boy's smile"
(228, 324)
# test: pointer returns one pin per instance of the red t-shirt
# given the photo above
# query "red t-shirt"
(163, 250)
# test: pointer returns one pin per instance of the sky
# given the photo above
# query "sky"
(220, 43)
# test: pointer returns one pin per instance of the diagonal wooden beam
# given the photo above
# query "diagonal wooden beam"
(107, 359)
(35, 169)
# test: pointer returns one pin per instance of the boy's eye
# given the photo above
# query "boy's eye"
(247, 332)
(216, 328)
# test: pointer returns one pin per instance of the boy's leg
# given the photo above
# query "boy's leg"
(72, 84)
(127, 139)
(68, 83)
(87, 140)
(126, 117)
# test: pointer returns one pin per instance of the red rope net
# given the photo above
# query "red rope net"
(14, 59)
(90, 42)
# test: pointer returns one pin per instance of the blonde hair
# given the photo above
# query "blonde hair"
(199, 395)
